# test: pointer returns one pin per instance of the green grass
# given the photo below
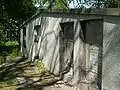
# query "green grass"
(8, 85)
(15, 52)
(11, 49)
(11, 43)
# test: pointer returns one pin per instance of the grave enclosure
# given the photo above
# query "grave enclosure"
(84, 42)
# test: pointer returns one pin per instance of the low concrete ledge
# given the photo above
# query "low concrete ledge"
(105, 11)
(82, 11)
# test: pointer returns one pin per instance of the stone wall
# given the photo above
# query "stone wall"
(85, 53)
(111, 51)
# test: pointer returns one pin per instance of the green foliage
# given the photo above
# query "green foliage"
(112, 3)
(61, 4)
(19, 9)
(15, 52)
(94, 3)
(1, 31)
(51, 4)
(41, 67)
(12, 14)
(2, 59)
(11, 84)
(9, 49)
(11, 43)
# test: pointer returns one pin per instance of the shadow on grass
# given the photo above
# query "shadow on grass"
(11, 70)
(6, 50)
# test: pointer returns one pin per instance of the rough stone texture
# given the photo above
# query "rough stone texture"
(60, 87)
(30, 79)
(48, 44)
(48, 47)
(111, 56)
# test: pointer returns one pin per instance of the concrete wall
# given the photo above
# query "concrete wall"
(86, 55)
(48, 44)
(111, 53)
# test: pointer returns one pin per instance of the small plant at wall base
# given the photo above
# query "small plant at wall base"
(104, 89)
(41, 67)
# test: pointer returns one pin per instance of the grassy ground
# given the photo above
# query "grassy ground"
(22, 74)
(9, 49)
(8, 85)
(17, 68)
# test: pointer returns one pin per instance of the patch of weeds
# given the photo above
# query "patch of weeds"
(15, 52)
(104, 89)
(10, 49)
(11, 43)
(41, 67)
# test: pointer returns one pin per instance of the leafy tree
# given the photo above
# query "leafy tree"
(18, 10)
(51, 4)
(96, 3)
(61, 4)
(12, 14)
(112, 3)
(44, 4)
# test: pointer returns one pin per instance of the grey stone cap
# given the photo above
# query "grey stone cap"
(101, 12)
(105, 11)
